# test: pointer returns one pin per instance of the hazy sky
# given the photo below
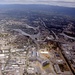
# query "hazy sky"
(69, 3)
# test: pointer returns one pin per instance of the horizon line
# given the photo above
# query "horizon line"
(35, 4)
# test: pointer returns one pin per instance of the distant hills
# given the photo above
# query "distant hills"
(48, 8)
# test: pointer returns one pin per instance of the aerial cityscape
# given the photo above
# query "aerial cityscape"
(37, 40)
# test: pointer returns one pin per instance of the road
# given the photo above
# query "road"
(31, 36)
